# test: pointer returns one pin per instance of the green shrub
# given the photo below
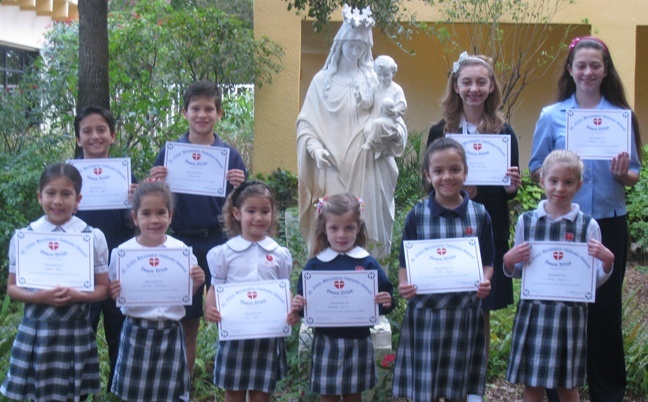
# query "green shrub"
(637, 207)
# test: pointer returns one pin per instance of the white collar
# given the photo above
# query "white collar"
(239, 244)
(468, 128)
(569, 215)
(329, 255)
(72, 226)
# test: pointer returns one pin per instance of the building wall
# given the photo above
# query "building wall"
(22, 29)
(423, 75)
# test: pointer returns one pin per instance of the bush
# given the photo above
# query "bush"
(637, 207)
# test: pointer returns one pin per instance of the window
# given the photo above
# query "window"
(13, 63)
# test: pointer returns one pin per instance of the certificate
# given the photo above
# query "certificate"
(196, 169)
(340, 298)
(48, 260)
(598, 134)
(253, 310)
(105, 182)
(488, 157)
(154, 277)
(444, 265)
(559, 271)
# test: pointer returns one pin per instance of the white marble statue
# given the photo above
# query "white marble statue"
(389, 106)
(339, 148)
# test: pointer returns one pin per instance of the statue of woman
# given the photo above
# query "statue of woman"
(331, 134)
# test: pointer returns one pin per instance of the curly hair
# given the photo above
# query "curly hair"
(236, 199)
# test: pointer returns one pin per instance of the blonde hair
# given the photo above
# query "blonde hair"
(338, 204)
(236, 199)
(568, 158)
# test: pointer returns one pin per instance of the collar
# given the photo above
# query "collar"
(570, 103)
(217, 141)
(239, 244)
(437, 210)
(74, 225)
(571, 216)
(329, 255)
(467, 128)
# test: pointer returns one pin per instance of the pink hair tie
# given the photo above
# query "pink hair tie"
(320, 204)
(575, 42)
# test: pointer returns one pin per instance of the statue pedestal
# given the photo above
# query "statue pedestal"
(381, 336)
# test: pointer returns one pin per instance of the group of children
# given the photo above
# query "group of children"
(442, 351)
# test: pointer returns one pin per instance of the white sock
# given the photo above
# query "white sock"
(474, 398)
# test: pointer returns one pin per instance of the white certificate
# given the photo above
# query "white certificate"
(253, 310)
(444, 265)
(105, 182)
(598, 134)
(48, 260)
(340, 298)
(488, 157)
(559, 271)
(196, 169)
(154, 277)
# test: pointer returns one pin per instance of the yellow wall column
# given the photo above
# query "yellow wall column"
(276, 105)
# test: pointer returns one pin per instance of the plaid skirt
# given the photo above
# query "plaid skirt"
(152, 362)
(342, 366)
(250, 364)
(441, 351)
(54, 356)
(549, 346)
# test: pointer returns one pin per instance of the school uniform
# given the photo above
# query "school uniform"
(495, 199)
(441, 351)
(250, 364)
(54, 355)
(549, 346)
(602, 197)
(196, 219)
(152, 362)
(343, 357)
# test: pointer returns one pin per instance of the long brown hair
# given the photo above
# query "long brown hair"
(493, 119)
(611, 86)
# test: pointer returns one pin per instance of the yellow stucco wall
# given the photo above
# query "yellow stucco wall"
(423, 76)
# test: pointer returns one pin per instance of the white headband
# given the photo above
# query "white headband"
(464, 57)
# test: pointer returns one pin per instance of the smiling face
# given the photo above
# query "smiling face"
(588, 70)
(341, 231)
(153, 219)
(202, 115)
(560, 183)
(59, 200)
(255, 216)
(95, 137)
(446, 173)
(473, 85)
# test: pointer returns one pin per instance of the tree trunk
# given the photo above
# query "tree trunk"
(93, 55)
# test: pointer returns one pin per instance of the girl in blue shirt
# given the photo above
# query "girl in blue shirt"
(590, 81)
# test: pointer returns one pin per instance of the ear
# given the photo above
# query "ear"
(580, 184)
(455, 87)
(569, 69)
(236, 213)
(170, 217)
(134, 217)
(76, 204)
(428, 178)
(40, 198)
(113, 137)
(219, 113)
(542, 182)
